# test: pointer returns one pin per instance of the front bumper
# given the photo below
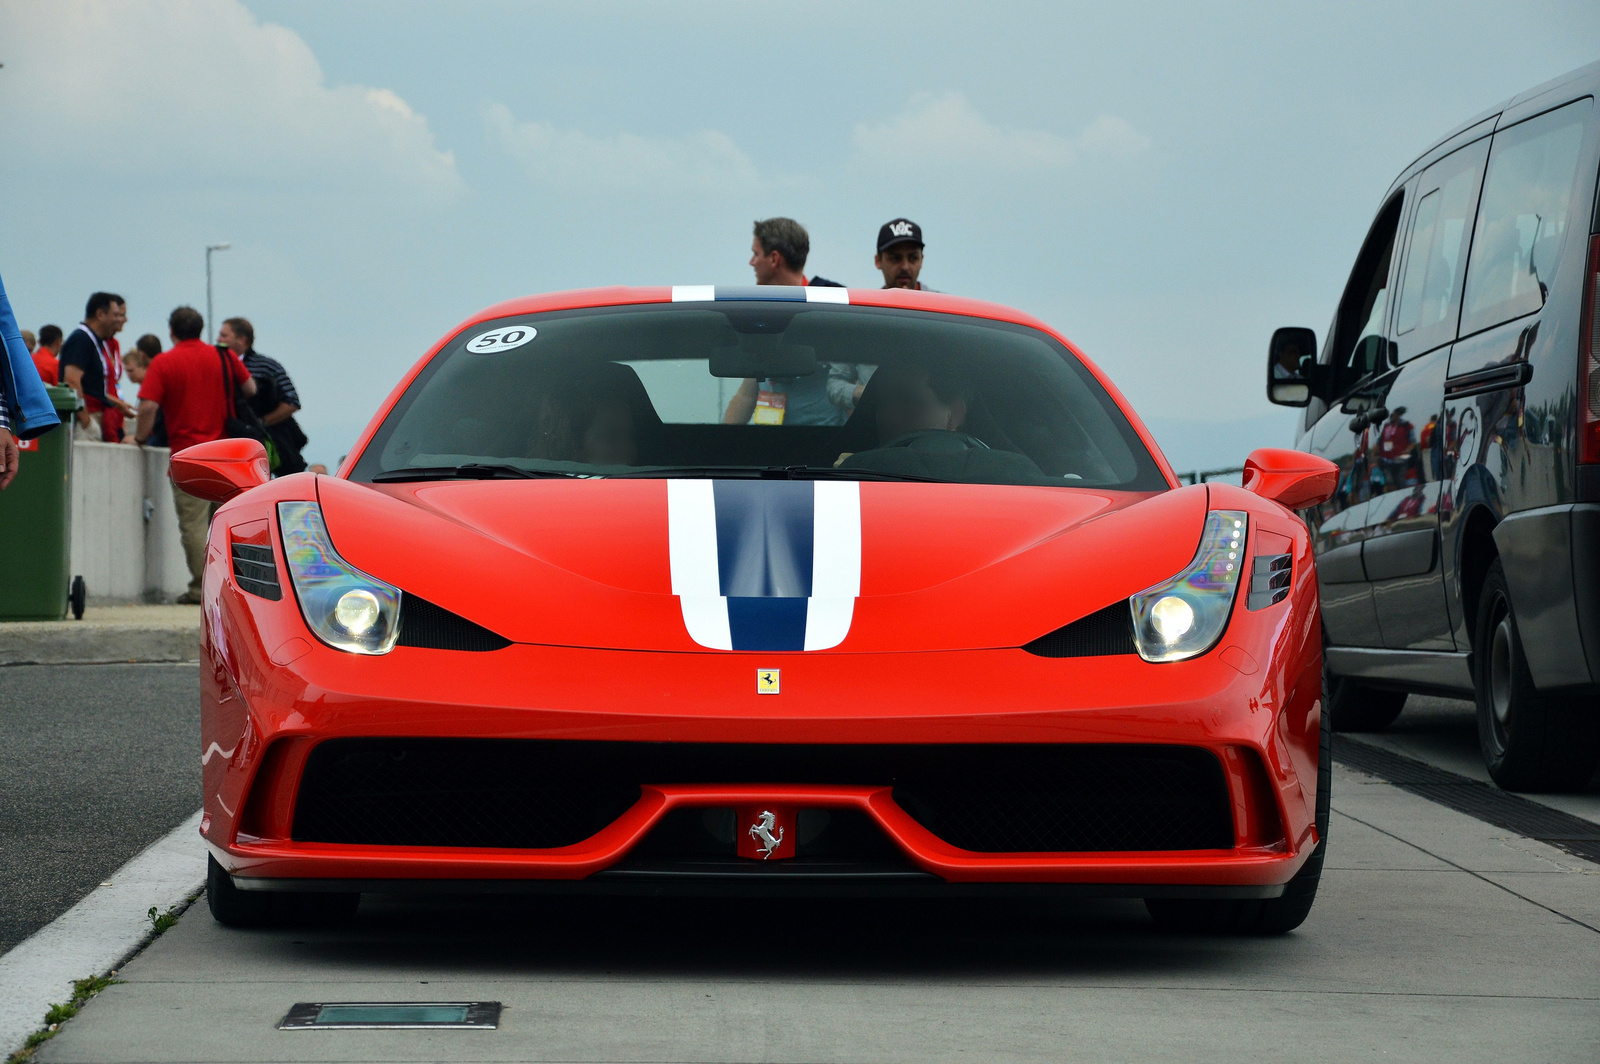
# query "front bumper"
(270, 697)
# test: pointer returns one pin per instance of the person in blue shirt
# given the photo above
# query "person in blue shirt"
(25, 408)
(778, 256)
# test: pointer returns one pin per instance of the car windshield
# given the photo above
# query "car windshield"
(759, 388)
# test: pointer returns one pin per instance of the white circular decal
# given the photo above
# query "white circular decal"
(502, 339)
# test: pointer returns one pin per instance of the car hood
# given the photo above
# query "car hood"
(770, 565)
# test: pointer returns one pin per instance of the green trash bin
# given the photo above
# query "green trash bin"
(36, 582)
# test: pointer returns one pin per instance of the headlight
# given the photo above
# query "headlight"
(345, 607)
(1183, 617)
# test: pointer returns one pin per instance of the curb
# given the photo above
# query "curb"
(77, 643)
(99, 933)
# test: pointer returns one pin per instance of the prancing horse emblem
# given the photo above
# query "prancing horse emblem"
(761, 830)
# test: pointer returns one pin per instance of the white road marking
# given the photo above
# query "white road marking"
(94, 935)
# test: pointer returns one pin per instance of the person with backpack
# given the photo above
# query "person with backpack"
(196, 387)
(276, 402)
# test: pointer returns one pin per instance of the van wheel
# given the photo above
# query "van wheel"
(1532, 741)
(1356, 707)
(1269, 916)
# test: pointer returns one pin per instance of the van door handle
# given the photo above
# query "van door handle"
(1493, 379)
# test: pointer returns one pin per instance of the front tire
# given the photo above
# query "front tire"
(1355, 707)
(1265, 916)
(1532, 741)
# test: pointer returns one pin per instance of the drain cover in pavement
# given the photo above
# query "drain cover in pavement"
(391, 1015)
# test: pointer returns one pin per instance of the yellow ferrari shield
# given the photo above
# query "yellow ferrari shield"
(766, 681)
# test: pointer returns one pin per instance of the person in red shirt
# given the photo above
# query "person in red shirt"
(47, 352)
(187, 387)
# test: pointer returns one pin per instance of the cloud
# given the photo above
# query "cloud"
(197, 90)
(946, 128)
(707, 161)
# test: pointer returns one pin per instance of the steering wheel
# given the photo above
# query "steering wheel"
(937, 441)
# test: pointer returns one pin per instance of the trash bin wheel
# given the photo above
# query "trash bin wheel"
(75, 598)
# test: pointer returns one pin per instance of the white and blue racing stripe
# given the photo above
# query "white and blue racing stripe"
(777, 293)
(765, 564)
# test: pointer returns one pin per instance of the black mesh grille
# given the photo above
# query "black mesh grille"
(455, 792)
(1077, 799)
(422, 624)
(984, 797)
(1108, 631)
(255, 569)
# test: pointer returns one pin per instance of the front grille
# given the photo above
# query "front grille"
(422, 624)
(531, 794)
(455, 792)
(1076, 799)
(255, 569)
(1104, 632)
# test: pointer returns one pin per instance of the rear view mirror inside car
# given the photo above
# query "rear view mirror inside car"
(1291, 358)
(763, 357)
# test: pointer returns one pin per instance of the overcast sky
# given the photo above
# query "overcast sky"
(1164, 183)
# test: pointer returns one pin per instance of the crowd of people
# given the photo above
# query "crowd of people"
(188, 391)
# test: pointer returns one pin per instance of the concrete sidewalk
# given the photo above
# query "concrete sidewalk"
(1436, 937)
(107, 634)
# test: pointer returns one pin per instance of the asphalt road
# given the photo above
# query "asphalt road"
(96, 763)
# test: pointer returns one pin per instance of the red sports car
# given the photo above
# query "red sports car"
(786, 590)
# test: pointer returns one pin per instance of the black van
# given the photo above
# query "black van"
(1459, 394)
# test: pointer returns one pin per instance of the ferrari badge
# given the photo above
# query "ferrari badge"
(766, 681)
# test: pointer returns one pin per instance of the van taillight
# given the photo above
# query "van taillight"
(1589, 363)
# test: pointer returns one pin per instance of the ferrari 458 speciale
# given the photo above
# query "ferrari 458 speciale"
(761, 590)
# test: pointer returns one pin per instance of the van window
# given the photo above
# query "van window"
(1431, 290)
(1524, 217)
(1358, 348)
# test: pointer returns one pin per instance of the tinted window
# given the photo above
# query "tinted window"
(1524, 218)
(1358, 346)
(651, 391)
(1437, 257)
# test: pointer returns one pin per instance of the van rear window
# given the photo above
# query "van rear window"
(1526, 211)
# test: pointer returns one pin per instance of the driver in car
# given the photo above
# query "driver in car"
(920, 417)
(913, 399)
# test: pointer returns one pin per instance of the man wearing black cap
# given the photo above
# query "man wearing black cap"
(900, 254)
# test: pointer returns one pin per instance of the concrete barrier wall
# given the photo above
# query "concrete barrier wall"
(125, 541)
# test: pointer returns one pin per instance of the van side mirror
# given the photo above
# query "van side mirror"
(1292, 367)
(221, 469)
(1292, 479)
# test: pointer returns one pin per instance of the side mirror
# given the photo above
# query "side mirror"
(1291, 367)
(1292, 479)
(221, 469)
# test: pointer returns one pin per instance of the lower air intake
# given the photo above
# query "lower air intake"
(535, 794)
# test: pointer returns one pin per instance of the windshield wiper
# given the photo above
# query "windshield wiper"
(469, 471)
(793, 472)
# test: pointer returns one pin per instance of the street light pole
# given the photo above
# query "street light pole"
(210, 327)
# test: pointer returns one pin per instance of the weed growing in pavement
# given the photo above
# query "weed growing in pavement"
(160, 922)
(82, 991)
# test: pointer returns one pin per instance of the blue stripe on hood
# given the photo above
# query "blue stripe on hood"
(765, 541)
(765, 530)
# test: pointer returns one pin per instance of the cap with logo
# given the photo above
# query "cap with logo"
(900, 231)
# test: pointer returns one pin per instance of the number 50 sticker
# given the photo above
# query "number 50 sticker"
(502, 339)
